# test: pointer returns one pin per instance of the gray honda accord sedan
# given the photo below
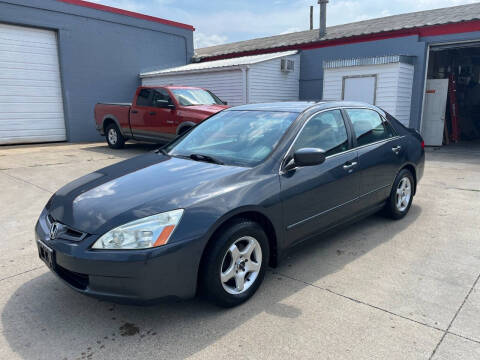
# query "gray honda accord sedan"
(211, 210)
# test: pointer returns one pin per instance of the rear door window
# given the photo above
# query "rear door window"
(325, 131)
(369, 126)
(144, 97)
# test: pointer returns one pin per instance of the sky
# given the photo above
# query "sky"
(223, 21)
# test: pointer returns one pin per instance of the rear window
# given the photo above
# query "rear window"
(369, 126)
(143, 98)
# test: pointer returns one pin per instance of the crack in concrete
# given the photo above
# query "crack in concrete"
(361, 302)
(465, 189)
(61, 163)
(27, 182)
(21, 273)
(447, 331)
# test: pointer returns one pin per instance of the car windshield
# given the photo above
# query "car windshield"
(190, 97)
(242, 138)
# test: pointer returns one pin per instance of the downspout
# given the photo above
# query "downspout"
(246, 93)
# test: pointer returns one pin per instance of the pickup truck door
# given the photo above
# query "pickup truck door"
(165, 115)
(151, 119)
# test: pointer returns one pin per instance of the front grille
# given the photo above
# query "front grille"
(77, 280)
(65, 232)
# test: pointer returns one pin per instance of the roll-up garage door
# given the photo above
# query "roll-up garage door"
(31, 105)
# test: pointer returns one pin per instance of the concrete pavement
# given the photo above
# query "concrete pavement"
(378, 289)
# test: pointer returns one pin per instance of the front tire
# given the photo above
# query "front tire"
(401, 196)
(114, 137)
(235, 263)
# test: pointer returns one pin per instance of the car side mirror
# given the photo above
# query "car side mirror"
(306, 157)
(164, 104)
(225, 102)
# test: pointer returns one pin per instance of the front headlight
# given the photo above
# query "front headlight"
(145, 233)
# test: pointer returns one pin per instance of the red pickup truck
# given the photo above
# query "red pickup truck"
(158, 114)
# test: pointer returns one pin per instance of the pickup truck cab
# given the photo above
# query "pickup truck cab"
(157, 114)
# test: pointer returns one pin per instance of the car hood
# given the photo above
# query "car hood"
(139, 187)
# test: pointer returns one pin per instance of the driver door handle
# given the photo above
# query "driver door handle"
(348, 165)
(153, 113)
(397, 149)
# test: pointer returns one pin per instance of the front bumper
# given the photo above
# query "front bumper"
(127, 276)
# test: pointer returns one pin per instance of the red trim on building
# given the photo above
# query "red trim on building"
(434, 30)
(127, 13)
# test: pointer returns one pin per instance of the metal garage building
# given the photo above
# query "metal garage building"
(243, 80)
(60, 57)
(401, 57)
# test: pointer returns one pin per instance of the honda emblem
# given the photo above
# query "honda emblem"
(54, 230)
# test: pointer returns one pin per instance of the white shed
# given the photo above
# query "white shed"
(385, 81)
(243, 80)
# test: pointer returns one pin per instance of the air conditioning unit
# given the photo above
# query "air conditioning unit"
(287, 65)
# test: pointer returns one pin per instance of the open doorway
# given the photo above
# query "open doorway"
(452, 103)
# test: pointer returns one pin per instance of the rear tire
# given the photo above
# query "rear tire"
(114, 137)
(401, 196)
(234, 264)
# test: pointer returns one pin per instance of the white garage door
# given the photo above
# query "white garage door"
(31, 105)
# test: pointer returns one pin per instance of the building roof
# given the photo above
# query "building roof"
(219, 64)
(114, 10)
(396, 23)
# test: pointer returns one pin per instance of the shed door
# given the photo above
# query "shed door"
(360, 88)
(31, 104)
(434, 111)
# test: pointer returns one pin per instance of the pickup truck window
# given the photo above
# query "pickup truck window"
(161, 98)
(144, 97)
(191, 97)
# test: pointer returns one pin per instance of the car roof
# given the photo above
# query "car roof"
(172, 87)
(300, 106)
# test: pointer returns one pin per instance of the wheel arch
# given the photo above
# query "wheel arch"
(413, 170)
(251, 214)
(183, 125)
(111, 119)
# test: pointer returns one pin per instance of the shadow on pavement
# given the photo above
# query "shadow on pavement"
(130, 149)
(45, 319)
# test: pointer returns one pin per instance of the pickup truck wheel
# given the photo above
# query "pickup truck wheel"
(115, 139)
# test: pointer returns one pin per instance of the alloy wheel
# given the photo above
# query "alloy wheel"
(403, 195)
(241, 265)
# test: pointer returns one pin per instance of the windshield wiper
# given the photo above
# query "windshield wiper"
(206, 158)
